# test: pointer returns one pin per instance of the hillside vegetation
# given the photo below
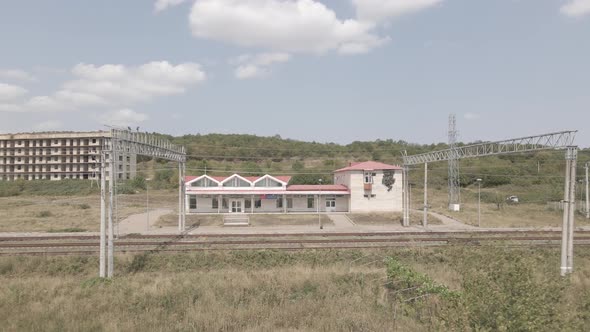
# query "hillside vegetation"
(538, 175)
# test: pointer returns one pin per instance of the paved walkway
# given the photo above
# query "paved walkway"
(340, 220)
(137, 224)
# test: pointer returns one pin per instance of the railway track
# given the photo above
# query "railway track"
(88, 244)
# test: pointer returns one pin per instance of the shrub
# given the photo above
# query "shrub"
(44, 214)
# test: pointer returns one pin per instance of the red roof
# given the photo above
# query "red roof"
(189, 178)
(368, 166)
(285, 179)
(315, 187)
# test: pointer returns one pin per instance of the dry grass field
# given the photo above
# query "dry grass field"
(384, 219)
(75, 213)
(499, 289)
(171, 220)
(519, 215)
(289, 220)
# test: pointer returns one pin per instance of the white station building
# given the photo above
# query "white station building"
(361, 187)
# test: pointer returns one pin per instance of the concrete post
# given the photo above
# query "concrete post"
(572, 213)
(425, 222)
(113, 178)
(103, 221)
(565, 224)
(180, 226)
(569, 209)
(587, 197)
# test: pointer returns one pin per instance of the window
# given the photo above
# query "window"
(93, 140)
(236, 182)
(279, 202)
(257, 203)
(120, 158)
(371, 196)
(310, 201)
(224, 203)
(192, 202)
(289, 203)
(267, 182)
(330, 201)
(247, 204)
(215, 203)
(368, 177)
(204, 182)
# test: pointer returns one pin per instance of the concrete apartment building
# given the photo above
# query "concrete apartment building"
(58, 156)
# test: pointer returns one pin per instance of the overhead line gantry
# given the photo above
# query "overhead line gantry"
(563, 140)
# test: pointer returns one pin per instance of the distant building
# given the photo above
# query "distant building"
(361, 187)
(58, 155)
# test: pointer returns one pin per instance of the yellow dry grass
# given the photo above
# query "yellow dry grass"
(389, 218)
(43, 213)
(519, 215)
(192, 220)
(289, 220)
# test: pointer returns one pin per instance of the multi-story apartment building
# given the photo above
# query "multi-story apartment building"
(59, 155)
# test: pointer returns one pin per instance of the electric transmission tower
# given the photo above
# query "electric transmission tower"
(454, 189)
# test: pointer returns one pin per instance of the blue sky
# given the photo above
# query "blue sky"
(329, 71)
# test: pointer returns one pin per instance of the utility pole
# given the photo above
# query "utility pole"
(569, 201)
(319, 201)
(147, 205)
(587, 197)
(425, 221)
(479, 203)
(454, 189)
(103, 222)
(113, 178)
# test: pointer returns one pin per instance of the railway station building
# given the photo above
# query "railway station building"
(360, 187)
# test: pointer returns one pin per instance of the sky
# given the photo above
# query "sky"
(315, 70)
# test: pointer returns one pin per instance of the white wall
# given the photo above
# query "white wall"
(383, 201)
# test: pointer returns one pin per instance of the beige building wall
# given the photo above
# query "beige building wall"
(57, 156)
(378, 199)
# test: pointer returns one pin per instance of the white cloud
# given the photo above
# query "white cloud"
(113, 86)
(381, 10)
(48, 125)
(161, 5)
(11, 92)
(258, 66)
(297, 26)
(123, 117)
(16, 74)
(576, 8)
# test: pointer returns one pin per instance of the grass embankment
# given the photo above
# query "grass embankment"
(441, 289)
(393, 219)
(80, 212)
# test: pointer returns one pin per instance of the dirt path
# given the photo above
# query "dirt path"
(340, 220)
(137, 223)
(449, 222)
